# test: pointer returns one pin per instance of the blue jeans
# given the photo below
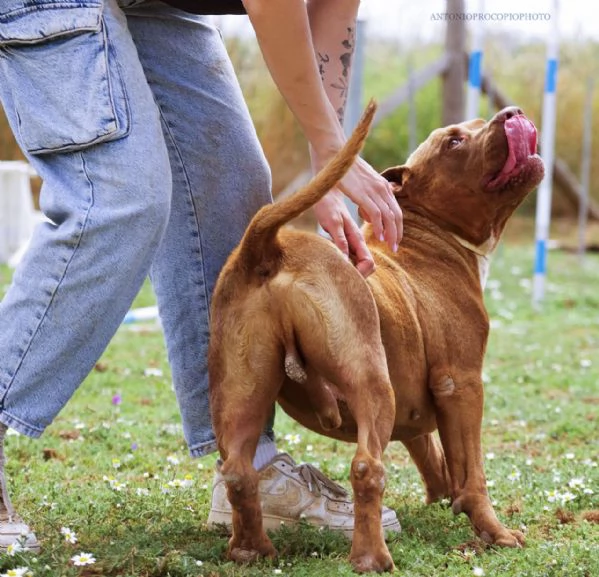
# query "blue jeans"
(135, 121)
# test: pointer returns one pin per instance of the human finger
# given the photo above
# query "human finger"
(358, 249)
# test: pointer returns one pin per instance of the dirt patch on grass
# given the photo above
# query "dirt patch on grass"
(591, 516)
(565, 517)
(49, 454)
(70, 435)
(475, 545)
(513, 508)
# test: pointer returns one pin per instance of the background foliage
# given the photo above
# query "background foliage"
(518, 68)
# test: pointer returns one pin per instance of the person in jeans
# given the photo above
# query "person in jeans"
(131, 114)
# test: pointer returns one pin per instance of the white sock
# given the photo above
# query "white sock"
(265, 452)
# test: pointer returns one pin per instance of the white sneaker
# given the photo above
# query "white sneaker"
(290, 493)
(18, 534)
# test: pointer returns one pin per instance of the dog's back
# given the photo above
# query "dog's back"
(258, 255)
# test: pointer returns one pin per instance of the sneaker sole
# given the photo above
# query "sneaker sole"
(273, 523)
(33, 548)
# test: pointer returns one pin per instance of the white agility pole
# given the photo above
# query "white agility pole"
(475, 60)
(543, 213)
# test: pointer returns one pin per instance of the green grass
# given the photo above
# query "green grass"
(540, 441)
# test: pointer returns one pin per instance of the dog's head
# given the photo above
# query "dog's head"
(470, 177)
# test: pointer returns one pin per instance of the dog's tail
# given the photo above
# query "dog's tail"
(259, 240)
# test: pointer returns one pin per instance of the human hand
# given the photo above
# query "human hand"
(334, 217)
(374, 196)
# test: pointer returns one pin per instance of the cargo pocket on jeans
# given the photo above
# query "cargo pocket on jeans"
(65, 84)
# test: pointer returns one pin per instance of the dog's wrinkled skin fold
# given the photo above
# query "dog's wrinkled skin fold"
(393, 357)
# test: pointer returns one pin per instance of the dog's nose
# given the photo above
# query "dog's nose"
(507, 112)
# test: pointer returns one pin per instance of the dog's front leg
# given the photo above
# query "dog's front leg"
(458, 398)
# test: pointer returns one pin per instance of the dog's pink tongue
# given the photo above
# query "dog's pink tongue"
(522, 142)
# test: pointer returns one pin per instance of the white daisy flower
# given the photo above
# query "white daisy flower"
(18, 572)
(82, 559)
(69, 535)
(14, 548)
(173, 460)
(514, 475)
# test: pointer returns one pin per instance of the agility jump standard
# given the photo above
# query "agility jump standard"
(543, 215)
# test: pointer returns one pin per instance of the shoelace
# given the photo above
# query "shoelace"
(315, 480)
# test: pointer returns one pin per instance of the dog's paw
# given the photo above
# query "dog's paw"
(245, 553)
(504, 538)
(243, 556)
(369, 562)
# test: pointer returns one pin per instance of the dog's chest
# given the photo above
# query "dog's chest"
(484, 267)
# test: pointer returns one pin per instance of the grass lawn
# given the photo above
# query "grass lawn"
(118, 475)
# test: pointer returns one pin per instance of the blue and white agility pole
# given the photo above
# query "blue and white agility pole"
(543, 215)
(475, 67)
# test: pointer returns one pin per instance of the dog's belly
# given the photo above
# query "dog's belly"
(414, 415)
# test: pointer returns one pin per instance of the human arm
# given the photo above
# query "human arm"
(333, 28)
(284, 33)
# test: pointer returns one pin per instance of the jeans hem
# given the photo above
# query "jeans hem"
(19, 426)
(203, 449)
(208, 447)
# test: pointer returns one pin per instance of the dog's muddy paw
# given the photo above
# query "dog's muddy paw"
(504, 538)
(245, 554)
(372, 563)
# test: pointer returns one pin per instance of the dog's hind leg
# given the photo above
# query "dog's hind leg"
(240, 407)
(238, 436)
(374, 414)
(427, 454)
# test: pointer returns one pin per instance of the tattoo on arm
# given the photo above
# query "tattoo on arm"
(342, 83)
(322, 60)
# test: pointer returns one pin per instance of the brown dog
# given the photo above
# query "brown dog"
(393, 357)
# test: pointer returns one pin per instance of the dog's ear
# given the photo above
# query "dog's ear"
(398, 176)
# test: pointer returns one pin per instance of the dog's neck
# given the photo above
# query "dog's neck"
(483, 254)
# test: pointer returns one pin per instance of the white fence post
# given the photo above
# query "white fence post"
(16, 207)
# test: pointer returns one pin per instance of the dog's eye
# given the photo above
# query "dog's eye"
(454, 141)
